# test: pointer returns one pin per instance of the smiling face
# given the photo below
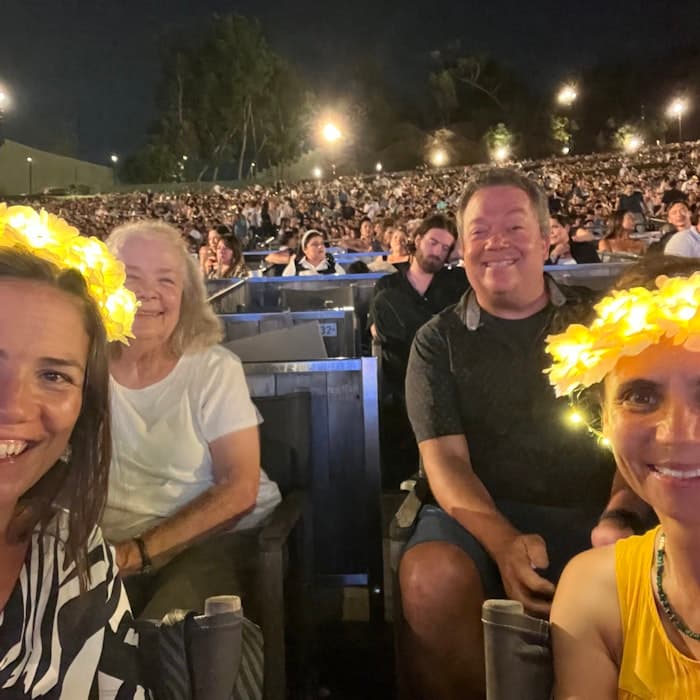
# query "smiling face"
(504, 250)
(155, 274)
(679, 216)
(651, 416)
(43, 356)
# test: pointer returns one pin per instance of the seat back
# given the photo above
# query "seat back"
(285, 439)
(308, 299)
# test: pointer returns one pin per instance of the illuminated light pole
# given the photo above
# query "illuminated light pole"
(565, 150)
(438, 157)
(30, 164)
(4, 105)
(501, 154)
(633, 144)
(379, 167)
(331, 133)
(114, 158)
(567, 95)
(317, 173)
(677, 109)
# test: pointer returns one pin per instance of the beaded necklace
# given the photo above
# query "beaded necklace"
(671, 614)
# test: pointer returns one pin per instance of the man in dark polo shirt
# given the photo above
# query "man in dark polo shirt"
(402, 303)
(517, 493)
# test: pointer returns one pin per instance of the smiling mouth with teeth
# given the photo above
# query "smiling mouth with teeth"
(12, 448)
(675, 473)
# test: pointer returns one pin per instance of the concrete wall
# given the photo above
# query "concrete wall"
(47, 170)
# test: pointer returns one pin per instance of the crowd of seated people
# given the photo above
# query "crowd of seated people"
(514, 497)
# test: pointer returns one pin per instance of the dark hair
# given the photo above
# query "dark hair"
(446, 223)
(645, 272)
(561, 219)
(615, 224)
(81, 485)
(507, 177)
(358, 267)
(234, 245)
(287, 236)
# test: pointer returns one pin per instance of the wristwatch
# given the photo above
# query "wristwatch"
(146, 563)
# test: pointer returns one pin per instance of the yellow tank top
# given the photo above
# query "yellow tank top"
(651, 668)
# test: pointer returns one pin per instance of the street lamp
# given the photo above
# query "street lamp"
(677, 109)
(501, 153)
(438, 157)
(331, 133)
(565, 150)
(633, 143)
(114, 158)
(378, 167)
(317, 173)
(567, 95)
(30, 163)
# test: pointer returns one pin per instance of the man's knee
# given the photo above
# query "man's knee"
(438, 577)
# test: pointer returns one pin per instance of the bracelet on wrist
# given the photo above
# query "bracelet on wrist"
(146, 563)
(628, 518)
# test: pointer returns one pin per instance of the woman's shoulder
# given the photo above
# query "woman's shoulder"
(586, 596)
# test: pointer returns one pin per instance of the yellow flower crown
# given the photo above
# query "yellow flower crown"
(53, 239)
(627, 322)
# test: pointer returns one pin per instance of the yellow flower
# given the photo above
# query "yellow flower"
(53, 239)
(627, 323)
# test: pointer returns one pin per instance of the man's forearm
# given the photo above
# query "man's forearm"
(463, 496)
(215, 509)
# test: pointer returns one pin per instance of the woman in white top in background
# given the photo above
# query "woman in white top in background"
(186, 454)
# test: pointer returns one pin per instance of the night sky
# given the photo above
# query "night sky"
(89, 68)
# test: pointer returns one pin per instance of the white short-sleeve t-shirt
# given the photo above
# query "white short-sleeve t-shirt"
(160, 442)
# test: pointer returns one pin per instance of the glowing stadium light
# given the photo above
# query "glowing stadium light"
(677, 108)
(565, 150)
(331, 133)
(567, 95)
(633, 144)
(438, 157)
(29, 159)
(378, 167)
(114, 158)
(501, 153)
(317, 173)
(184, 158)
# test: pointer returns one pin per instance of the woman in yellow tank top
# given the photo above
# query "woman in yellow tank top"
(626, 618)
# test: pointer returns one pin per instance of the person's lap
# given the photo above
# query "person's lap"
(565, 531)
(222, 565)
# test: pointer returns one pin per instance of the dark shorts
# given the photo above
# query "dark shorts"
(566, 531)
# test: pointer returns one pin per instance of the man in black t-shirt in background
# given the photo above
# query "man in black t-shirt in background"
(516, 493)
(402, 303)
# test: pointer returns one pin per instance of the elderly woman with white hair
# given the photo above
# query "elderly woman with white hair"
(186, 485)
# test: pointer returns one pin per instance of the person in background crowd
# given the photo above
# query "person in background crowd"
(686, 241)
(399, 252)
(632, 201)
(618, 238)
(229, 259)
(186, 487)
(207, 253)
(629, 612)
(64, 614)
(672, 194)
(314, 259)
(402, 303)
(564, 251)
(509, 509)
(288, 242)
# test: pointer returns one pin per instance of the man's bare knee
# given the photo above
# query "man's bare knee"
(438, 578)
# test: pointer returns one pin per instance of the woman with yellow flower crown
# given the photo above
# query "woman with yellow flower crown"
(626, 618)
(63, 611)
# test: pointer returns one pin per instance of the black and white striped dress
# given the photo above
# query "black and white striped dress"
(59, 644)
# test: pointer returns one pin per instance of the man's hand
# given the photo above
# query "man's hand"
(128, 557)
(609, 531)
(517, 562)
